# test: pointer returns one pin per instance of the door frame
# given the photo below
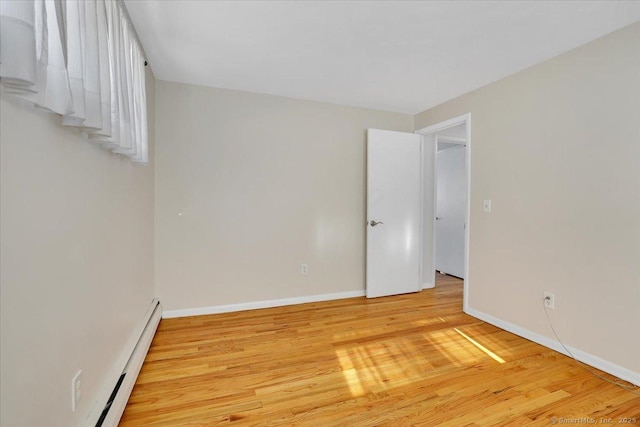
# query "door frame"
(433, 130)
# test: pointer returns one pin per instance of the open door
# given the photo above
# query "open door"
(393, 213)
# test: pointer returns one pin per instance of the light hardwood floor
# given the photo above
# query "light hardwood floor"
(404, 360)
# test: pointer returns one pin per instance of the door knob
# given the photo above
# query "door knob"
(438, 218)
(374, 223)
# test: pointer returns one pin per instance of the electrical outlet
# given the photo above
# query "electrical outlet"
(549, 300)
(304, 269)
(76, 390)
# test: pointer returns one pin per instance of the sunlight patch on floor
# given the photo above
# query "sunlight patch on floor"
(351, 377)
(388, 363)
(430, 321)
(441, 340)
(380, 366)
(501, 342)
(480, 346)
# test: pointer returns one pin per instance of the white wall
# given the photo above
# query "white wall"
(76, 273)
(459, 131)
(263, 183)
(557, 149)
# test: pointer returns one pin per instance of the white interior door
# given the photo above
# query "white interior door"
(451, 196)
(393, 213)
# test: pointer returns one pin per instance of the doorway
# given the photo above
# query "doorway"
(402, 207)
(451, 201)
(445, 240)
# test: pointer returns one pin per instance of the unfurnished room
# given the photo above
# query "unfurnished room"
(319, 213)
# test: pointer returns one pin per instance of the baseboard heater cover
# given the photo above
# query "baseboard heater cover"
(112, 397)
(114, 408)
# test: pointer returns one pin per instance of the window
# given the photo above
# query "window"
(82, 60)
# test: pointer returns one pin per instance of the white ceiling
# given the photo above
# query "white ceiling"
(403, 56)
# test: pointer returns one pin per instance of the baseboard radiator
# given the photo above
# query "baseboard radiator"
(114, 408)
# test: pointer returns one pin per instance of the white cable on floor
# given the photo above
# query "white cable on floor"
(627, 387)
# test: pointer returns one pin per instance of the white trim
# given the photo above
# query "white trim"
(589, 359)
(467, 239)
(433, 129)
(434, 195)
(423, 285)
(215, 309)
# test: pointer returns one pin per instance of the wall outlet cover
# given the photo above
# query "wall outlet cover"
(549, 300)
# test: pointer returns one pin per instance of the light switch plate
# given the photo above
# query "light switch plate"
(486, 205)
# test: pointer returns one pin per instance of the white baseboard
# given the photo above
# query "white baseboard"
(589, 359)
(428, 285)
(216, 309)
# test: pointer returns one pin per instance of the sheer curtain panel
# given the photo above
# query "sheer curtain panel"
(81, 60)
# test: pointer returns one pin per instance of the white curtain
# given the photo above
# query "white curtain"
(82, 60)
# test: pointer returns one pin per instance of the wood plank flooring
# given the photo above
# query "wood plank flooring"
(413, 359)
